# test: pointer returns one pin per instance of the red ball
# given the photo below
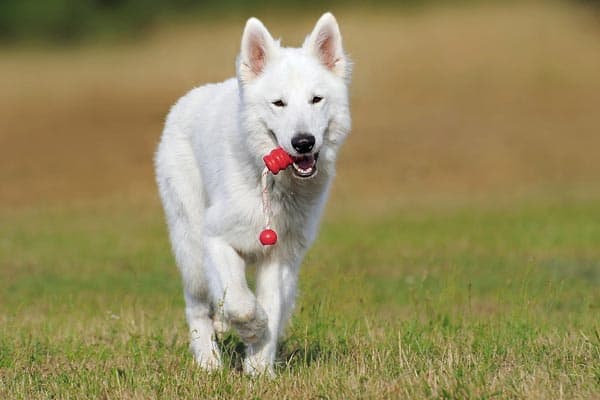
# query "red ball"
(268, 237)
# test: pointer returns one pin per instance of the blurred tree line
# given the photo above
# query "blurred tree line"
(70, 20)
(74, 20)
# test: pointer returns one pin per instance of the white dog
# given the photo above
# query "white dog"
(208, 169)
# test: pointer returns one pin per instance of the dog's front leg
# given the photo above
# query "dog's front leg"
(226, 272)
(275, 290)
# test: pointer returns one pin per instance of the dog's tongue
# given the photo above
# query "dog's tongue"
(306, 162)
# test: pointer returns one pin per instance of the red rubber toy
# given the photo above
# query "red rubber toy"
(277, 160)
(268, 237)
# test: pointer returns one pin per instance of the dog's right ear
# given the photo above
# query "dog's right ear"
(258, 48)
(325, 43)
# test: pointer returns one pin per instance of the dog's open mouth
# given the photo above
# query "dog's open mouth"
(305, 166)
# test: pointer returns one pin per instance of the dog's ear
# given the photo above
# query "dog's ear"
(258, 48)
(325, 43)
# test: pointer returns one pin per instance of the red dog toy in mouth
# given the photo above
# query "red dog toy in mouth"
(277, 160)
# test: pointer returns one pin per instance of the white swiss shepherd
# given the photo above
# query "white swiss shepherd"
(208, 169)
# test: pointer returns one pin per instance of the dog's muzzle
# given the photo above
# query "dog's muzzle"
(305, 166)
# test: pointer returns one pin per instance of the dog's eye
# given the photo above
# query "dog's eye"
(278, 103)
(316, 99)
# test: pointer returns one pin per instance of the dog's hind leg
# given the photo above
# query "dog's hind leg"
(202, 336)
(180, 189)
(188, 253)
(233, 299)
(275, 290)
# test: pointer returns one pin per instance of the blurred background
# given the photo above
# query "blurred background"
(452, 101)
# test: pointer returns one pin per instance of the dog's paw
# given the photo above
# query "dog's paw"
(209, 359)
(255, 367)
(250, 325)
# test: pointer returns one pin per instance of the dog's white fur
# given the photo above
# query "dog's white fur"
(208, 169)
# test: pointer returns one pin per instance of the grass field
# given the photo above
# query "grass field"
(446, 304)
(460, 253)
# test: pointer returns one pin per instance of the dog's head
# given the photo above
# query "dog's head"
(296, 98)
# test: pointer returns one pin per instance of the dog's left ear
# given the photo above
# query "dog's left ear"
(258, 48)
(325, 43)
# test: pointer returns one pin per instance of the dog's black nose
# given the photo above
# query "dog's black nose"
(303, 142)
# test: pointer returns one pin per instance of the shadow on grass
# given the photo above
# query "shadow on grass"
(293, 357)
(294, 352)
(299, 351)
(232, 351)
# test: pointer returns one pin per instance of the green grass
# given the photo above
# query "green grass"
(467, 302)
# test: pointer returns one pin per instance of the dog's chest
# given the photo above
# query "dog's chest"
(289, 212)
